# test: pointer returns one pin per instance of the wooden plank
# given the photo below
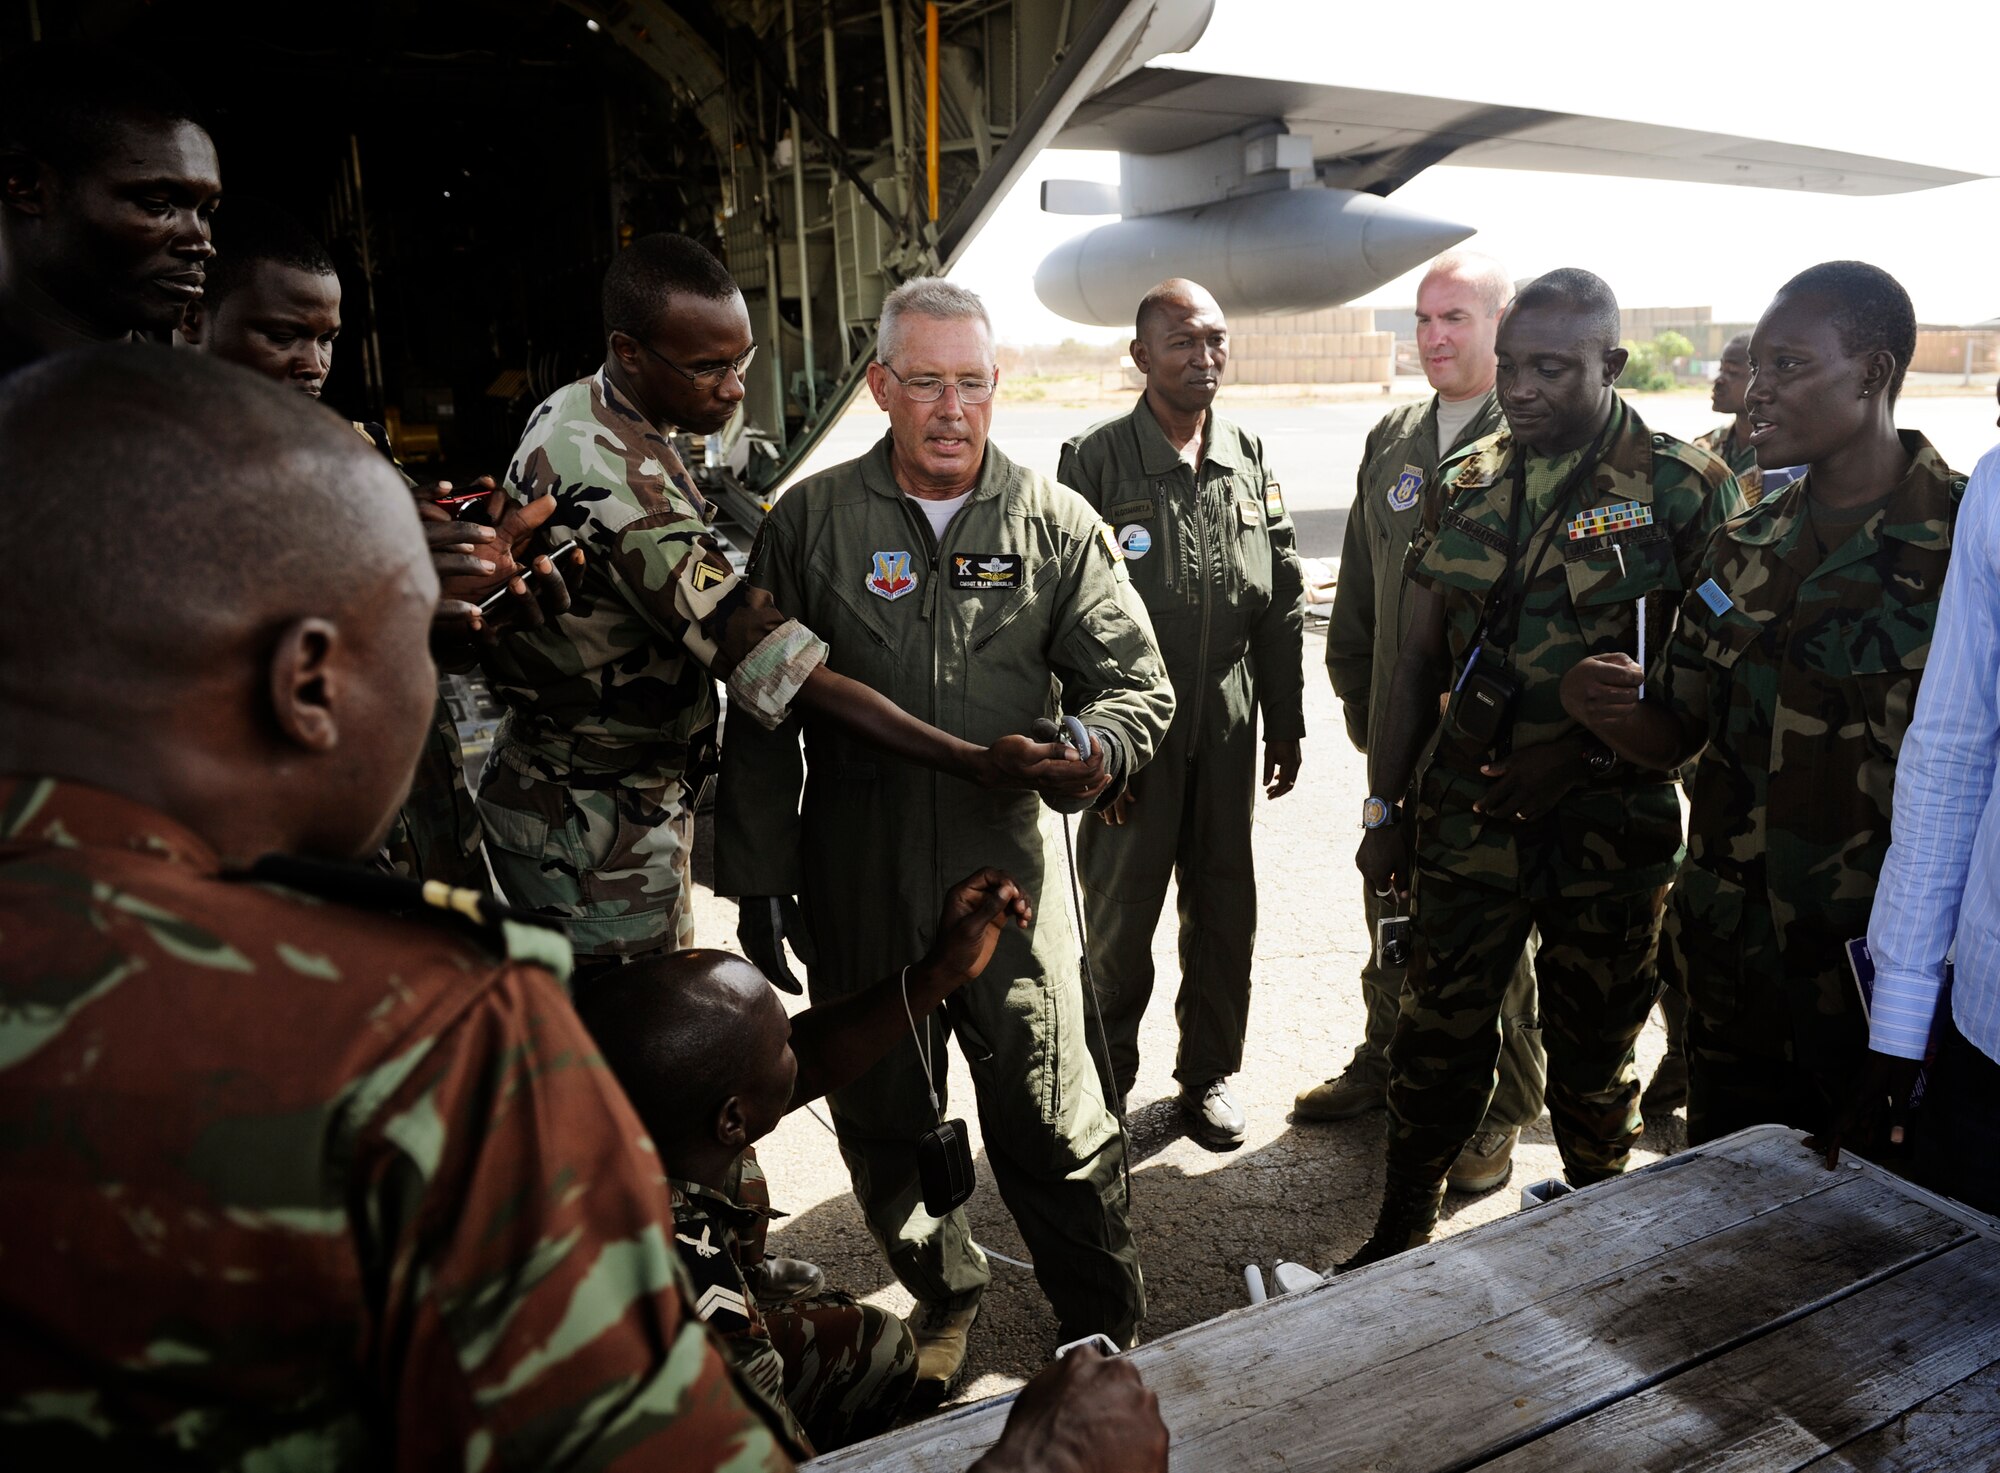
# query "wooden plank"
(1293, 1349)
(1783, 1400)
(1957, 1428)
(1474, 1394)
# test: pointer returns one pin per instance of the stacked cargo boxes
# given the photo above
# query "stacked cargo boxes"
(1337, 345)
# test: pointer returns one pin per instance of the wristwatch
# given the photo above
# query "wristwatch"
(1599, 758)
(1380, 813)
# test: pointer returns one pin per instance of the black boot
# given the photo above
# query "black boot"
(1407, 1220)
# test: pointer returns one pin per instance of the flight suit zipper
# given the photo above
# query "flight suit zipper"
(1207, 590)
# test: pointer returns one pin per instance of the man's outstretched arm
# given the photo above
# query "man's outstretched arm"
(836, 1042)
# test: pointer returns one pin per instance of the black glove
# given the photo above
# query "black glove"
(763, 924)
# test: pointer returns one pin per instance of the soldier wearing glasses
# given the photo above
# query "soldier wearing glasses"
(975, 594)
(586, 799)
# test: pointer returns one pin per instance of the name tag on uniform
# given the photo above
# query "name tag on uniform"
(1711, 594)
(1247, 514)
(1596, 522)
(972, 571)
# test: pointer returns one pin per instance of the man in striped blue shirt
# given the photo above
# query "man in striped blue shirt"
(1941, 881)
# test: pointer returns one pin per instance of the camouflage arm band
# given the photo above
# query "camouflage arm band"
(770, 676)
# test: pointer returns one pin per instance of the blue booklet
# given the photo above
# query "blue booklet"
(1861, 962)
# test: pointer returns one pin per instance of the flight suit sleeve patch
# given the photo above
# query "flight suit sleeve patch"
(1274, 500)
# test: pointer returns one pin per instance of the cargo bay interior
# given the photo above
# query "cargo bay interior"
(474, 164)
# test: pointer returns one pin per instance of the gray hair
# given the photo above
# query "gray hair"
(1480, 272)
(926, 296)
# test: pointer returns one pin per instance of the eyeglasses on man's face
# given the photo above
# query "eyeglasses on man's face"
(704, 375)
(928, 389)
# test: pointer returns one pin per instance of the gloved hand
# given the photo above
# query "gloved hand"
(763, 924)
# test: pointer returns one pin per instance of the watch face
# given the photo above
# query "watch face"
(1374, 813)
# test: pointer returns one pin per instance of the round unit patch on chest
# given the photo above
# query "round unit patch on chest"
(1135, 540)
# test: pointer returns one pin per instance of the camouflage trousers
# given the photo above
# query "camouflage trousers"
(609, 858)
(1596, 988)
(1524, 1064)
(849, 1367)
(1775, 1033)
(436, 833)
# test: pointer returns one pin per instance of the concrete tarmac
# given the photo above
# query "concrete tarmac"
(1306, 1192)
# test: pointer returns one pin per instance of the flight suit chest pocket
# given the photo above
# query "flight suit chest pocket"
(987, 610)
(1607, 577)
(1251, 556)
(1147, 522)
(865, 608)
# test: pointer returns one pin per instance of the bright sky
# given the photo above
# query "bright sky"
(1916, 85)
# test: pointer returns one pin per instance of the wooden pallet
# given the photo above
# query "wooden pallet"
(1735, 1306)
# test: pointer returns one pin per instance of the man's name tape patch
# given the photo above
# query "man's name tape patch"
(1619, 518)
(1711, 594)
(973, 571)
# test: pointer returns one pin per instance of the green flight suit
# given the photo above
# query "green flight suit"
(1025, 602)
(1213, 555)
(1800, 670)
(1399, 468)
(1590, 874)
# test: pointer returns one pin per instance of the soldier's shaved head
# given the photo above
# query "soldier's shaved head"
(687, 1034)
(1585, 295)
(219, 594)
(1175, 291)
(1737, 347)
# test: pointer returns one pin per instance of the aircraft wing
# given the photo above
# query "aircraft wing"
(1375, 142)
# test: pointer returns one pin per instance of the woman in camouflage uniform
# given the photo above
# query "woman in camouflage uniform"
(1794, 673)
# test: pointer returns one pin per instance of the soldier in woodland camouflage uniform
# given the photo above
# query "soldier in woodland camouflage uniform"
(1551, 534)
(284, 1174)
(1797, 663)
(1729, 441)
(1459, 306)
(712, 1063)
(586, 798)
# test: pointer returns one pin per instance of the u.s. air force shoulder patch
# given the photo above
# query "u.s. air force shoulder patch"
(1408, 486)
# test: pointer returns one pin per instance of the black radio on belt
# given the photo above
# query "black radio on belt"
(1485, 699)
(944, 1166)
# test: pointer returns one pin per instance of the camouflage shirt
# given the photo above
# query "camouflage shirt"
(608, 688)
(1801, 674)
(1721, 442)
(296, 1185)
(710, 1228)
(1633, 529)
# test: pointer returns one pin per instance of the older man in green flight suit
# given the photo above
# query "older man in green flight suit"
(979, 596)
(1203, 527)
(1459, 305)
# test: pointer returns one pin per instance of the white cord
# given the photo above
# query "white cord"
(923, 1049)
